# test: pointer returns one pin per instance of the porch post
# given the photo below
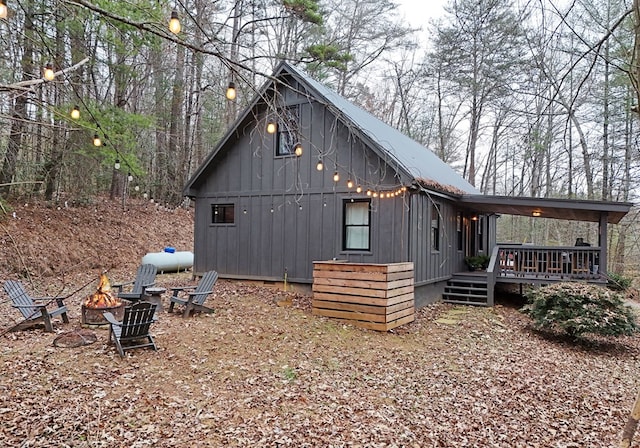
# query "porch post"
(602, 241)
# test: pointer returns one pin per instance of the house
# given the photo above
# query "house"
(304, 175)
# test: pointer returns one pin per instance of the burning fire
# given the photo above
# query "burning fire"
(102, 298)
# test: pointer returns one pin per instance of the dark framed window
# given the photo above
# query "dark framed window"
(357, 225)
(222, 214)
(287, 136)
(481, 223)
(459, 230)
(435, 227)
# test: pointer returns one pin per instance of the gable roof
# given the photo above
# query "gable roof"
(420, 164)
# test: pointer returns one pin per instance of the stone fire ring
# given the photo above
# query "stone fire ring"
(76, 338)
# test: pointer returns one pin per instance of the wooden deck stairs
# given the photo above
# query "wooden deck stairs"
(467, 289)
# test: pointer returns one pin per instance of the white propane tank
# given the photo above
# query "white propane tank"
(169, 260)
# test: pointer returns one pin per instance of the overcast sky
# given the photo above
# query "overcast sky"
(418, 12)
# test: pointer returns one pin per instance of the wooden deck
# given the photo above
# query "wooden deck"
(518, 264)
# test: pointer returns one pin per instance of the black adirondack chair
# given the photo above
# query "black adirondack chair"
(35, 310)
(145, 278)
(194, 301)
(133, 331)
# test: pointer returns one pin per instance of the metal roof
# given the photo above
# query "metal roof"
(569, 209)
(415, 159)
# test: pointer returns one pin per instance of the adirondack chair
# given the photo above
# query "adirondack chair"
(133, 331)
(194, 301)
(34, 309)
(145, 277)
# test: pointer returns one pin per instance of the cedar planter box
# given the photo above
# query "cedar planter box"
(374, 296)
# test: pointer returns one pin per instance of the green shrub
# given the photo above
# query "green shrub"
(580, 308)
(618, 282)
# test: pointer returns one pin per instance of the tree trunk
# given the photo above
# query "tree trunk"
(19, 112)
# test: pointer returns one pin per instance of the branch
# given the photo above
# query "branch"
(29, 85)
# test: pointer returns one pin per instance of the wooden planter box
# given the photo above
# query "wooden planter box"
(374, 296)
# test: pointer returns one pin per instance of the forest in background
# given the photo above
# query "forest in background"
(523, 98)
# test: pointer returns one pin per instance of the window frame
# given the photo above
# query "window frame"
(287, 132)
(346, 204)
(225, 207)
(435, 229)
(460, 231)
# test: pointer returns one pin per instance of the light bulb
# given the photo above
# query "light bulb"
(358, 189)
(145, 195)
(96, 140)
(336, 177)
(129, 177)
(231, 91)
(298, 149)
(137, 188)
(75, 113)
(49, 75)
(369, 193)
(319, 166)
(117, 164)
(174, 23)
(349, 183)
(271, 128)
(3, 10)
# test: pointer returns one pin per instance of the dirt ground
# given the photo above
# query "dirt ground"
(262, 371)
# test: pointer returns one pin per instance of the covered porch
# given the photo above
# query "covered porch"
(536, 264)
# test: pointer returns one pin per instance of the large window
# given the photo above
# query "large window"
(287, 131)
(357, 228)
(222, 214)
(435, 227)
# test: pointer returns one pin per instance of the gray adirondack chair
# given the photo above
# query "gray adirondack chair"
(133, 331)
(35, 310)
(145, 278)
(193, 301)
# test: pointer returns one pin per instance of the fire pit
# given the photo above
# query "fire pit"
(100, 301)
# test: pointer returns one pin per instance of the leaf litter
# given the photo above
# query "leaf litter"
(262, 371)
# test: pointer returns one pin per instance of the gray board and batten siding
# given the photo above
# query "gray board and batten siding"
(288, 214)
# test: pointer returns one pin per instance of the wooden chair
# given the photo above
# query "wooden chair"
(580, 264)
(145, 277)
(555, 262)
(133, 331)
(34, 309)
(528, 262)
(194, 302)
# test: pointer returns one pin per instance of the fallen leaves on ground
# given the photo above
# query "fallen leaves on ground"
(262, 371)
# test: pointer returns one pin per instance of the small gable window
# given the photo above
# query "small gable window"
(357, 218)
(287, 136)
(222, 214)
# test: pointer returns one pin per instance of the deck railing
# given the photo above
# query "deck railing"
(558, 262)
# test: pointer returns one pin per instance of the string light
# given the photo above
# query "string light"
(349, 183)
(231, 91)
(358, 189)
(3, 10)
(75, 113)
(49, 75)
(297, 149)
(117, 164)
(319, 165)
(336, 177)
(271, 127)
(174, 23)
(137, 188)
(129, 177)
(96, 140)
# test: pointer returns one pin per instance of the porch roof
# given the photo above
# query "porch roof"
(569, 209)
